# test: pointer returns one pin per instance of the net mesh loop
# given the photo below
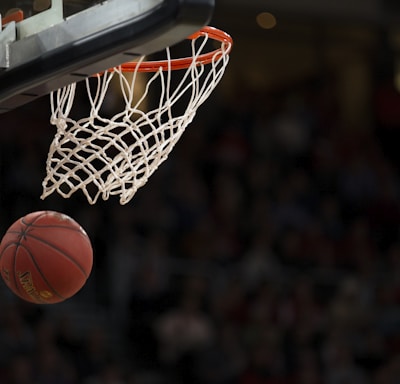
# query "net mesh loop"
(105, 156)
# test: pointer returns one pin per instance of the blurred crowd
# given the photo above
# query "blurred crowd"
(266, 250)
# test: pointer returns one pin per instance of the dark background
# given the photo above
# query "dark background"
(265, 250)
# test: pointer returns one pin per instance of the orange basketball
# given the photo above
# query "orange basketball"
(45, 257)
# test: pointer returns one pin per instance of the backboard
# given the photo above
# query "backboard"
(48, 44)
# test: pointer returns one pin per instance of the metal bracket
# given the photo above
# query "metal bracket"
(41, 21)
(7, 36)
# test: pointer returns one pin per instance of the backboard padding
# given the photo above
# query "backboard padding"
(90, 41)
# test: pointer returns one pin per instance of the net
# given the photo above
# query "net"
(104, 156)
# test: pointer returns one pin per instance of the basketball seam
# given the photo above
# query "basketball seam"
(18, 244)
(14, 262)
(58, 250)
(14, 254)
(35, 219)
(56, 226)
(41, 273)
(44, 213)
(47, 226)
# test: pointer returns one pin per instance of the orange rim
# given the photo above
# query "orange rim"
(183, 63)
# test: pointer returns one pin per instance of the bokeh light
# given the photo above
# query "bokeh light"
(266, 20)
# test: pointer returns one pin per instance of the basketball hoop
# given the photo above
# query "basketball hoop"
(104, 156)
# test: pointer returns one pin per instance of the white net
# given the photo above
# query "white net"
(104, 156)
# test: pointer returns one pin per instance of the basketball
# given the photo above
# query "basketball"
(45, 257)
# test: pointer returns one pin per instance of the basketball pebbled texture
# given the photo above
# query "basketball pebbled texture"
(45, 257)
